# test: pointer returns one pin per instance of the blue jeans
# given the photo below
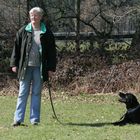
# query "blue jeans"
(31, 81)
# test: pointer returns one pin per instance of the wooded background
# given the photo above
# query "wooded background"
(101, 33)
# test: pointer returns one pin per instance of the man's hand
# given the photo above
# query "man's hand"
(50, 74)
(14, 69)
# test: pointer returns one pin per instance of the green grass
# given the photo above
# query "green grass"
(87, 117)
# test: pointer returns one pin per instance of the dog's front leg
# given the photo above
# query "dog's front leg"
(123, 121)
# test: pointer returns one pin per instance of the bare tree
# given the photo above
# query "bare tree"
(101, 17)
(12, 15)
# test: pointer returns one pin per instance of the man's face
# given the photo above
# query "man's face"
(35, 18)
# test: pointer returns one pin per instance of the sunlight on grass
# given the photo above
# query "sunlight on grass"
(86, 117)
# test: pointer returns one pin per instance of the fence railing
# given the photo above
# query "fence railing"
(90, 35)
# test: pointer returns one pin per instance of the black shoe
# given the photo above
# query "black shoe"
(35, 123)
(16, 124)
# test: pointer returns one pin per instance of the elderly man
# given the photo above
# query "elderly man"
(33, 59)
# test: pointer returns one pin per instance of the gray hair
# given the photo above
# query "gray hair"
(37, 10)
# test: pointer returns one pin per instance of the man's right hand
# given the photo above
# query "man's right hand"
(14, 69)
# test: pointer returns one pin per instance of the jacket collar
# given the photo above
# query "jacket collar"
(28, 28)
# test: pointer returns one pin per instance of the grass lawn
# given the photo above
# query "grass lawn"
(86, 117)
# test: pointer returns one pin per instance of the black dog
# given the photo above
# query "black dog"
(132, 115)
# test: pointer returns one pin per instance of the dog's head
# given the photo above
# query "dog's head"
(129, 99)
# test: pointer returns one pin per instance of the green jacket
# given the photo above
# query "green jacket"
(20, 54)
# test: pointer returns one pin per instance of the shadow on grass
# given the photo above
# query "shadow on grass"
(91, 124)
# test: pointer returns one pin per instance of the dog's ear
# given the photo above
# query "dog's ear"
(121, 94)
